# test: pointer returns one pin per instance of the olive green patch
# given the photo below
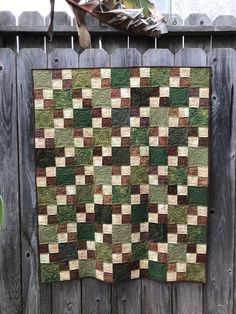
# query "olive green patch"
(87, 268)
(198, 117)
(103, 252)
(120, 77)
(159, 117)
(48, 234)
(121, 233)
(46, 195)
(50, 272)
(159, 76)
(44, 119)
(196, 272)
(102, 137)
(177, 214)
(62, 99)
(197, 234)
(81, 78)
(198, 157)
(102, 175)
(83, 156)
(101, 97)
(158, 194)
(139, 175)
(176, 252)
(84, 193)
(139, 137)
(177, 175)
(66, 214)
(199, 77)
(64, 137)
(121, 194)
(42, 79)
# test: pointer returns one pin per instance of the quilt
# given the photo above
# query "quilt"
(121, 162)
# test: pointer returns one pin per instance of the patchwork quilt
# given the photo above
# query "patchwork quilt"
(122, 172)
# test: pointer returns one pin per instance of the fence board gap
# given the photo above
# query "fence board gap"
(7, 40)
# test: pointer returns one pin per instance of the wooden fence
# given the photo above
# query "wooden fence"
(204, 42)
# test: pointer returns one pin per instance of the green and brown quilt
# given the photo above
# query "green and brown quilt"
(122, 172)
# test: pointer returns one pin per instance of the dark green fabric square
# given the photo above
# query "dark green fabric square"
(177, 252)
(87, 268)
(121, 233)
(82, 118)
(158, 232)
(120, 77)
(139, 137)
(197, 234)
(121, 272)
(62, 98)
(140, 96)
(44, 119)
(102, 137)
(177, 214)
(157, 270)
(120, 156)
(103, 213)
(200, 77)
(81, 78)
(198, 117)
(196, 272)
(120, 117)
(177, 175)
(197, 196)
(139, 175)
(50, 272)
(68, 251)
(85, 231)
(83, 156)
(179, 97)
(65, 175)
(139, 250)
(159, 76)
(46, 195)
(64, 137)
(101, 97)
(158, 156)
(178, 137)
(121, 194)
(66, 214)
(139, 213)
(44, 157)
(84, 193)
(103, 252)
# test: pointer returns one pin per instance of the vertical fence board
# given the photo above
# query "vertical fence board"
(94, 58)
(218, 294)
(158, 57)
(63, 58)
(225, 41)
(7, 40)
(26, 61)
(125, 57)
(10, 276)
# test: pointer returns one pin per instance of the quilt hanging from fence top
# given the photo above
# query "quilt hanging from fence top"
(122, 172)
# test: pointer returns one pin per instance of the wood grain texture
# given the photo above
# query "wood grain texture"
(10, 272)
(7, 40)
(158, 57)
(26, 61)
(94, 58)
(122, 57)
(190, 57)
(63, 58)
(218, 294)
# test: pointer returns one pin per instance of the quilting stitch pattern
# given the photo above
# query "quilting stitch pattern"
(122, 173)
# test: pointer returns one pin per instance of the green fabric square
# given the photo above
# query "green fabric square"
(62, 98)
(44, 157)
(65, 175)
(139, 250)
(198, 156)
(196, 272)
(177, 214)
(44, 119)
(102, 175)
(198, 117)
(159, 117)
(176, 252)
(103, 213)
(103, 252)
(139, 137)
(139, 175)
(83, 156)
(121, 272)
(179, 97)
(85, 231)
(157, 270)
(68, 251)
(46, 195)
(121, 194)
(120, 77)
(101, 97)
(197, 234)
(42, 79)
(158, 194)
(120, 117)
(66, 214)
(159, 76)
(102, 137)
(158, 232)
(158, 156)
(84, 193)
(81, 78)
(178, 137)
(197, 196)
(140, 96)
(50, 272)
(48, 234)
(199, 77)
(139, 213)
(87, 268)
(82, 118)
(121, 233)
(177, 175)
(64, 137)
(120, 156)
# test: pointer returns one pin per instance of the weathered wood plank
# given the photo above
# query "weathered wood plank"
(141, 44)
(94, 58)
(228, 40)
(125, 57)
(63, 58)
(158, 57)
(190, 57)
(27, 60)
(10, 272)
(31, 40)
(218, 293)
(7, 40)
